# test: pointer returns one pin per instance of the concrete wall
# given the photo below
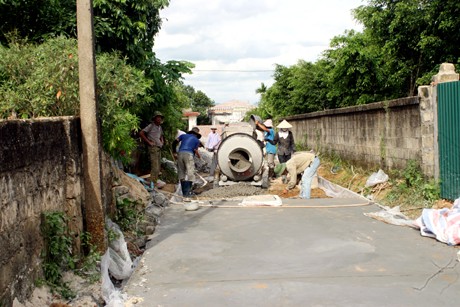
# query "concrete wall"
(378, 135)
(40, 170)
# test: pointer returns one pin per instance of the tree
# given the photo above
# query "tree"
(414, 36)
(198, 102)
(42, 80)
(37, 20)
(356, 71)
(127, 27)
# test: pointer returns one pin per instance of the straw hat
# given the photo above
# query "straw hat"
(284, 125)
(157, 113)
(195, 131)
(268, 123)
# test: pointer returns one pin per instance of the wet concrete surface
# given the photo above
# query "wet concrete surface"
(326, 255)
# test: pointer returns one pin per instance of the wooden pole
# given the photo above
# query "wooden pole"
(93, 207)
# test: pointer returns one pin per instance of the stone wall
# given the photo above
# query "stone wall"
(40, 170)
(378, 135)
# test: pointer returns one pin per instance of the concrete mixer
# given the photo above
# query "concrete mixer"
(240, 156)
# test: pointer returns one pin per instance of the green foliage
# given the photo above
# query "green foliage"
(401, 47)
(31, 87)
(197, 101)
(42, 80)
(410, 187)
(122, 25)
(412, 174)
(88, 266)
(128, 215)
(128, 27)
(57, 252)
(58, 256)
(37, 20)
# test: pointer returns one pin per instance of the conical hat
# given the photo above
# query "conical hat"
(284, 125)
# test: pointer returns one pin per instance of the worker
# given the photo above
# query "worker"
(188, 149)
(305, 162)
(285, 141)
(212, 143)
(270, 149)
(154, 137)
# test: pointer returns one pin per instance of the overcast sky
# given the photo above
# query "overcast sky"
(235, 44)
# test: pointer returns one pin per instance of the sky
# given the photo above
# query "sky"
(235, 44)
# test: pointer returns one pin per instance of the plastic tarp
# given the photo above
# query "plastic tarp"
(336, 191)
(120, 263)
(262, 200)
(392, 216)
(148, 186)
(111, 296)
(442, 224)
(376, 178)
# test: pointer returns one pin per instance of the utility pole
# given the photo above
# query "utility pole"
(93, 207)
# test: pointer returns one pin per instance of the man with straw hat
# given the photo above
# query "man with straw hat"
(212, 143)
(301, 162)
(188, 148)
(153, 136)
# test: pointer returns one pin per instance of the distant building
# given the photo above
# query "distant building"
(229, 112)
(191, 117)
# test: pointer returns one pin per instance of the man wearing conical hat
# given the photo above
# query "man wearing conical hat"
(285, 141)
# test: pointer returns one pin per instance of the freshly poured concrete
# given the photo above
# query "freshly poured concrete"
(281, 256)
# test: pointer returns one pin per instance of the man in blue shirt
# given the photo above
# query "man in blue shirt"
(269, 135)
(188, 148)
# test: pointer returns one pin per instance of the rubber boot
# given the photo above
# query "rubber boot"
(183, 185)
(188, 187)
(271, 173)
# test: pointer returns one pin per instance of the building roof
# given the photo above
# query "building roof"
(190, 113)
(231, 105)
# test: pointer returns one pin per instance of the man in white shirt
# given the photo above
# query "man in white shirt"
(212, 144)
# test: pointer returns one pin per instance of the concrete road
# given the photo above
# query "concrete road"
(292, 257)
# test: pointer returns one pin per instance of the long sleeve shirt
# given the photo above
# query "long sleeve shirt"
(296, 165)
(270, 135)
(286, 145)
(213, 141)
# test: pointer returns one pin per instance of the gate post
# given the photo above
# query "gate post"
(428, 130)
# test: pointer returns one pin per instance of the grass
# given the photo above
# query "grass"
(407, 188)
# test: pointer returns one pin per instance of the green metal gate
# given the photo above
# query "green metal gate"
(449, 139)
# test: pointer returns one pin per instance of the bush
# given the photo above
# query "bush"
(42, 81)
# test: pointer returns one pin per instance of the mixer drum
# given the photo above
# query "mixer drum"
(240, 157)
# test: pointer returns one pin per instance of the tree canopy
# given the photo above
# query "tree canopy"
(401, 46)
(124, 30)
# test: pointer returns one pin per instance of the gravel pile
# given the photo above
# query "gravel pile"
(236, 190)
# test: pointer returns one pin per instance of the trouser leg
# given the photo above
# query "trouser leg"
(307, 177)
(271, 165)
(155, 156)
(212, 168)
